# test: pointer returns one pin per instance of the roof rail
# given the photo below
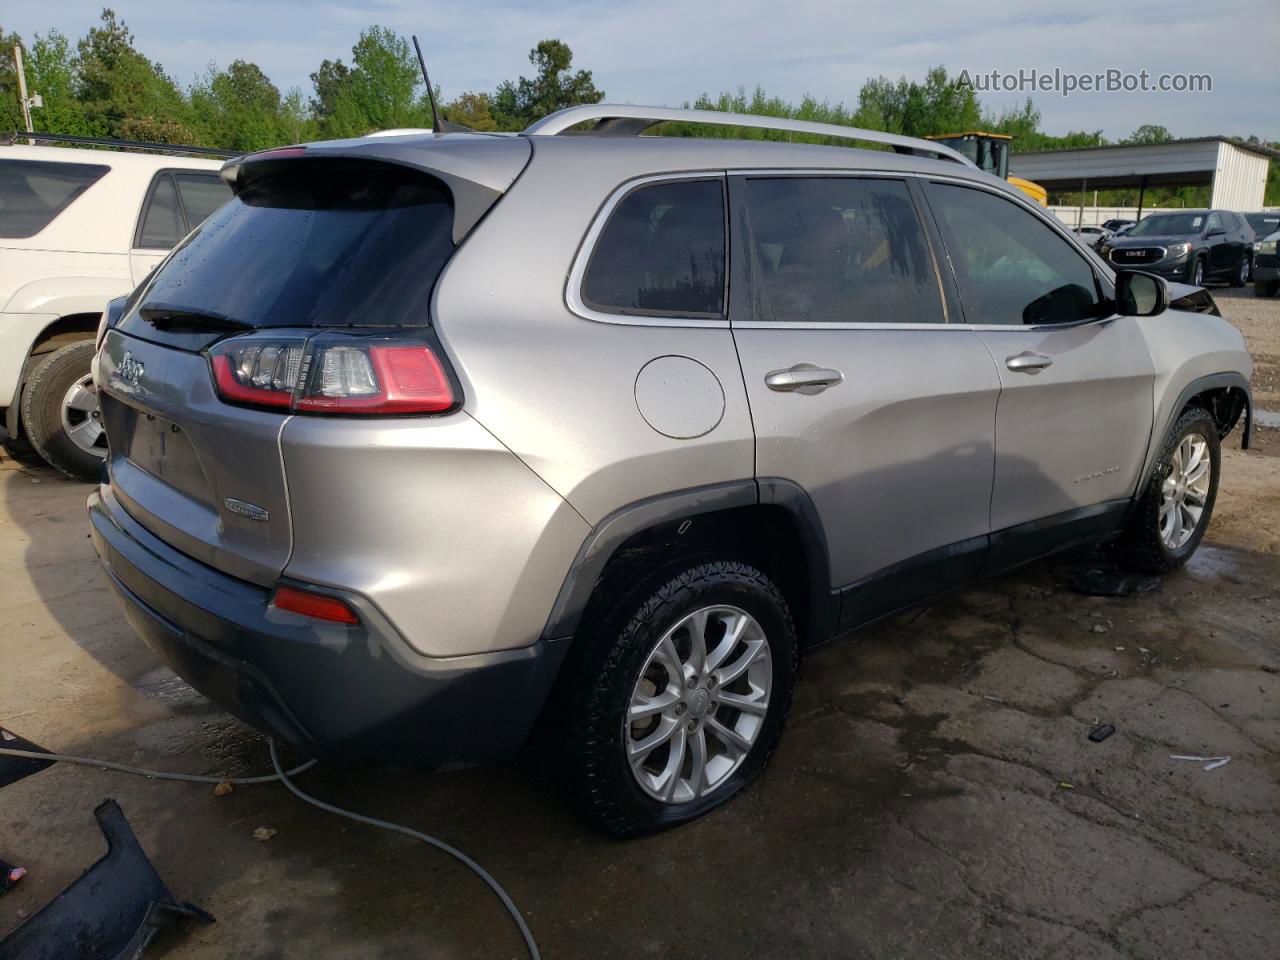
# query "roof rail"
(631, 121)
(9, 139)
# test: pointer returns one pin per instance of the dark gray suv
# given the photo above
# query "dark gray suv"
(422, 440)
(1190, 245)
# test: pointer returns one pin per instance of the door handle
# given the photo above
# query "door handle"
(1027, 362)
(806, 378)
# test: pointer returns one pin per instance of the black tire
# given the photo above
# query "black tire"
(1241, 276)
(613, 647)
(1141, 546)
(1265, 288)
(1196, 266)
(42, 398)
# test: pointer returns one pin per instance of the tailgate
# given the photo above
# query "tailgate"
(179, 456)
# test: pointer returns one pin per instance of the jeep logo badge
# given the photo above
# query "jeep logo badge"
(130, 370)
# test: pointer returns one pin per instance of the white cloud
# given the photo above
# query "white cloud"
(668, 51)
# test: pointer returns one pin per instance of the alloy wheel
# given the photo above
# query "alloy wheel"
(81, 418)
(1185, 491)
(699, 704)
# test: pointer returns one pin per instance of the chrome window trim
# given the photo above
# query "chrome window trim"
(1091, 260)
(582, 259)
(853, 173)
(573, 285)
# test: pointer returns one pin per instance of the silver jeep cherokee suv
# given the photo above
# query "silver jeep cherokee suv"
(422, 441)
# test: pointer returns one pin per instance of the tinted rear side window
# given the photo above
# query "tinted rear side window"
(34, 192)
(839, 250)
(162, 217)
(201, 195)
(325, 243)
(662, 252)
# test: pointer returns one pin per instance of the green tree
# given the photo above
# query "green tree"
(296, 123)
(378, 92)
(10, 112)
(51, 72)
(939, 105)
(1149, 133)
(327, 81)
(237, 108)
(132, 95)
(471, 110)
(516, 105)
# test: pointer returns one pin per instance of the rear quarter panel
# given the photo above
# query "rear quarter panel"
(559, 389)
(454, 539)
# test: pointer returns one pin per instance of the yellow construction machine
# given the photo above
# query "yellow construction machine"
(990, 151)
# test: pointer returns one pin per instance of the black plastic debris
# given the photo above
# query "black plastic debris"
(15, 768)
(1101, 732)
(1109, 582)
(112, 912)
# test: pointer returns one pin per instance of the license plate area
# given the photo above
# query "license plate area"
(162, 449)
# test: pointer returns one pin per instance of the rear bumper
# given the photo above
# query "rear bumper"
(354, 693)
(1266, 272)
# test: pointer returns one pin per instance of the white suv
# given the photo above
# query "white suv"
(79, 227)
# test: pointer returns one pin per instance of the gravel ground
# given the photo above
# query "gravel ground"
(1258, 318)
(935, 795)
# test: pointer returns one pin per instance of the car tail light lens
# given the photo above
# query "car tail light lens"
(110, 317)
(333, 375)
(315, 605)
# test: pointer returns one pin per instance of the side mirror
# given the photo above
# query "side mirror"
(1140, 294)
(1217, 232)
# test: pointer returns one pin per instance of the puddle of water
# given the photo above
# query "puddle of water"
(1211, 563)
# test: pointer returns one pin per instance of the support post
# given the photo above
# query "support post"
(22, 86)
(1142, 193)
(1084, 186)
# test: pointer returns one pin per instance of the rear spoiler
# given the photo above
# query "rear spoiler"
(476, 168)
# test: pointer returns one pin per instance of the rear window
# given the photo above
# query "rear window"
(1264, 224)
(661, 253)
(34, 192)
(322, 243)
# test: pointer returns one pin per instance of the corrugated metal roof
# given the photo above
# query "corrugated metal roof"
(1259, 148)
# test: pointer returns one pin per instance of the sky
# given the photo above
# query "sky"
(666, 52)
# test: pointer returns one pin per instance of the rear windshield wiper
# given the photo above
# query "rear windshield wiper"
(167, 316)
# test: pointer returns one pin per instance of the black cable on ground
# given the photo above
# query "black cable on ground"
(283, 776)
(454, 852)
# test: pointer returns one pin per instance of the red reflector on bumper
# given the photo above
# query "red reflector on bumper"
(313, 605)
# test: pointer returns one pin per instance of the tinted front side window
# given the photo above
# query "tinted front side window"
(162, 222)
(326, 243)
(33, 192)
(661, 253)
(1011, 267)
(839, 249)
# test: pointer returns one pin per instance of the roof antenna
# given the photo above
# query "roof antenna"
(437, 124)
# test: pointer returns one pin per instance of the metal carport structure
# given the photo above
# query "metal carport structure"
(1235, 171)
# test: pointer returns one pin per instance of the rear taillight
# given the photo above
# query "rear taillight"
(316, 605)
(331, 374)
(110, 317)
